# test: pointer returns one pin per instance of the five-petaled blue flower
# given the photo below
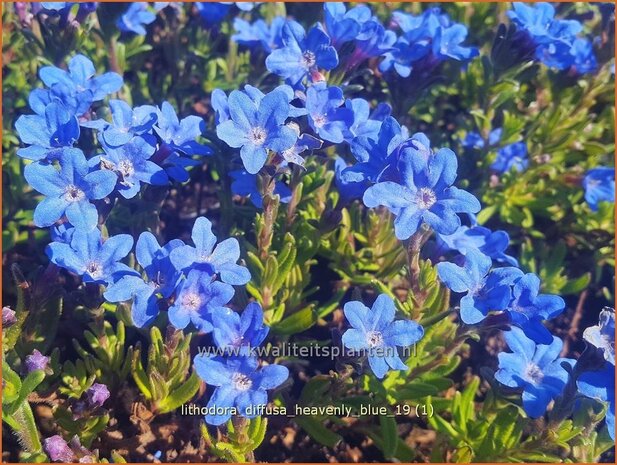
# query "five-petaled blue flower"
(602, 335)
(94, 259)
(130, 162)
(328, 118)
(344, 25)
(163, 279)
(302, 54)
(599, 184)
(465, 238)
(269, 37)
(232, 330)
(240, 386)
(447, 43)
(77, 87)
(47, 134)
(198, 297)
(375, 332)
(486, 291)
(126, 123)
(256, 127)
(135, 18)
(245, 184)
(69, 190)
(205, 256)
(528, 308)
(535, 368)
(426, 195)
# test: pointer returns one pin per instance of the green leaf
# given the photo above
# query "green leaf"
(180, 395)
(296, 323)
(318, 431)
(389, 434)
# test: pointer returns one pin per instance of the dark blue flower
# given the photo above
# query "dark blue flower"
(135, 18)
(375, 332)
(256, 127)
(602, 335)
(48, 134)
(528, 308)
(163, 278)
(94, 259)
(245, 185)
(511, 157)
(599, 185)
(219, 260)
(486, 291)
(372, 41)
(327, 117)
(425, 195)
(240, 386)
(366, 123)
(232, 330)
(465, 238)
(344, 25)
(475, 140)
(259, 34)
(447, 43)
(130, 162)
(78, 87)
(403, 56)
(348, 190)
(126, 123)
(600, 385)
(535, 368)
(212, 13)
(302, 53)
(374, 156)
(197, 298)
(584, 58)
(178, 142)
(69, 190)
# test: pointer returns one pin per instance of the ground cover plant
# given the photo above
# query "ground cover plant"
(306, 232)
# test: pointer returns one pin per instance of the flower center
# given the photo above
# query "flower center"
(257, 136)
(73, 194)
(308, 59)
(374, 339)
(126, 168)
(241, 382)
(319, 120)
(191, 300)
(426, 198)
(533, 373)
(94, 269)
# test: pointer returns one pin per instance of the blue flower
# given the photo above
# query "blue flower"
(198, 297)
(232, 330)
(584, 59)
(600, 385)
(240, 386)
(135, 18)
(256, 127)
(94, 259)
(465, 238)
(69, 190)
(126, 123)
(403, 56)
(348, 190)
(269, 37)
(375, 331)
(511, 157)
(212, 13)
(372, 41)
(49, 134)
(304, 143)
(486, 291)
(374, 156)
(302, 54)
(130, 162)
(536, 19)
(366, 123)
(447, 43)
(219, 260)
(535, 368)
(163, 279)
(178, 142)
(602, 335)
(599, 185)
(475, 140)
(344, 25)
(528, 308)
(245, 184)
(426, 195)
(326, 116)
(78, 87)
